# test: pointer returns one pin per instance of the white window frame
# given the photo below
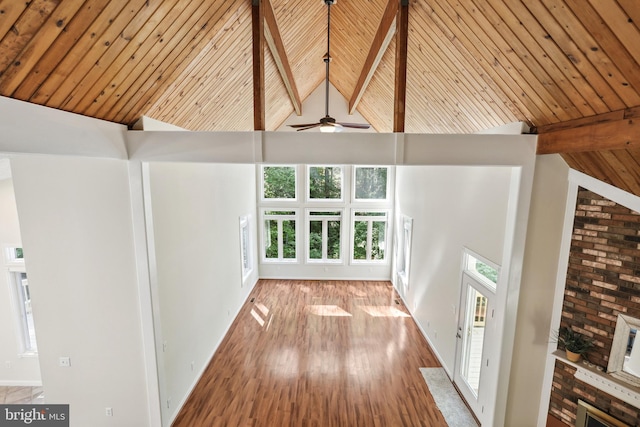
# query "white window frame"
(296, 182)
(308, 184)
(15, 267)
(280, 218)
(325, 240)
(354, 183)
(246, 247)
(370, 219)
(403, 254)
(469, 267)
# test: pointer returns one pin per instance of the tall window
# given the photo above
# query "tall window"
(324, 214)
(325, 183)
(21, 298)
(324, 235)
(370, 183)
(403, 260)
(245, 247)
(279, 238)
(369, 235)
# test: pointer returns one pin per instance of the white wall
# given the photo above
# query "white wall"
(196, 210)
(544, 235)
(75, 216)
(469, 211)
(14, 370)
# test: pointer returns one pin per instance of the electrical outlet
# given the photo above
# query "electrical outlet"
(7, 364)
(64, 362)
(192, 365)
(108, 412)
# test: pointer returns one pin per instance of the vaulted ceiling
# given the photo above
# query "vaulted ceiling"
(569, 68)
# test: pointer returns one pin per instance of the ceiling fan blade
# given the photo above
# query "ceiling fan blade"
(315, 125)
(304, 125)
(355, 125)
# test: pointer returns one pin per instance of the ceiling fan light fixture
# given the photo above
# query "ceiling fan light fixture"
(331, 128)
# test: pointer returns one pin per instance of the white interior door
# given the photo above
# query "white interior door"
(474, 337)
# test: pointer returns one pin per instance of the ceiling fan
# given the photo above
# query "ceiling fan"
(328, 123)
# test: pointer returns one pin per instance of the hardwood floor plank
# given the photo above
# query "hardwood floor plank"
(317, 353)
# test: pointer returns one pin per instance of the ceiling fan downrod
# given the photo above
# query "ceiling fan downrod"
(328, 123)
(327, 58)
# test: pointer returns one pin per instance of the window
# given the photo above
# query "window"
(324, 214)
(404, 249)
(279, 239)
(370, 183)
(324, 235)
(325, 183)
(279, 182)
(481, 269)
(21, 301)
(15, 255)
(369, 235)
(245, 247)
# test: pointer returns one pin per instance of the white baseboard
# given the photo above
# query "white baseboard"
(18, 383)
(426, 337)
(197, 378)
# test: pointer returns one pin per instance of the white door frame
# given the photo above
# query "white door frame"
(489, 351)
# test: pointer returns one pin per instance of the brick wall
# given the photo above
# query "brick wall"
(603, 280)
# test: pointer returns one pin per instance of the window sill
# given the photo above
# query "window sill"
(28, 355)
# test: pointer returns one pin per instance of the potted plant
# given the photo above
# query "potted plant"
(575, 344)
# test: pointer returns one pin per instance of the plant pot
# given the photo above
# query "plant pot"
(573, 357)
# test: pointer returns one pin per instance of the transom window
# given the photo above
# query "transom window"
(279, 183)
(325, 183)
(370, 183)
(482, 269)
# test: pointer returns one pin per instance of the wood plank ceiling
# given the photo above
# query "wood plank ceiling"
(471, 65)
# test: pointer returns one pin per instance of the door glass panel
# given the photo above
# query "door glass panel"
(473, 338)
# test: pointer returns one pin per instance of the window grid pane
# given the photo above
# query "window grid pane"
(325, 182)
(289, 239)
(315, 239)
(371, 183)
(279, 182)
(333, 240)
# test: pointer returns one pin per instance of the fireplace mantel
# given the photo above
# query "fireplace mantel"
(602, 381)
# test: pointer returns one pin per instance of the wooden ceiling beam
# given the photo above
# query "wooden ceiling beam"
(400, 91)
(618, 130)
(274, 41)
(381, 40)
(257, 29)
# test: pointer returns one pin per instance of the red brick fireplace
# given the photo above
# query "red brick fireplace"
(603, 280)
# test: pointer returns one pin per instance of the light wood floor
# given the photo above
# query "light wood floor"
(317, 353)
